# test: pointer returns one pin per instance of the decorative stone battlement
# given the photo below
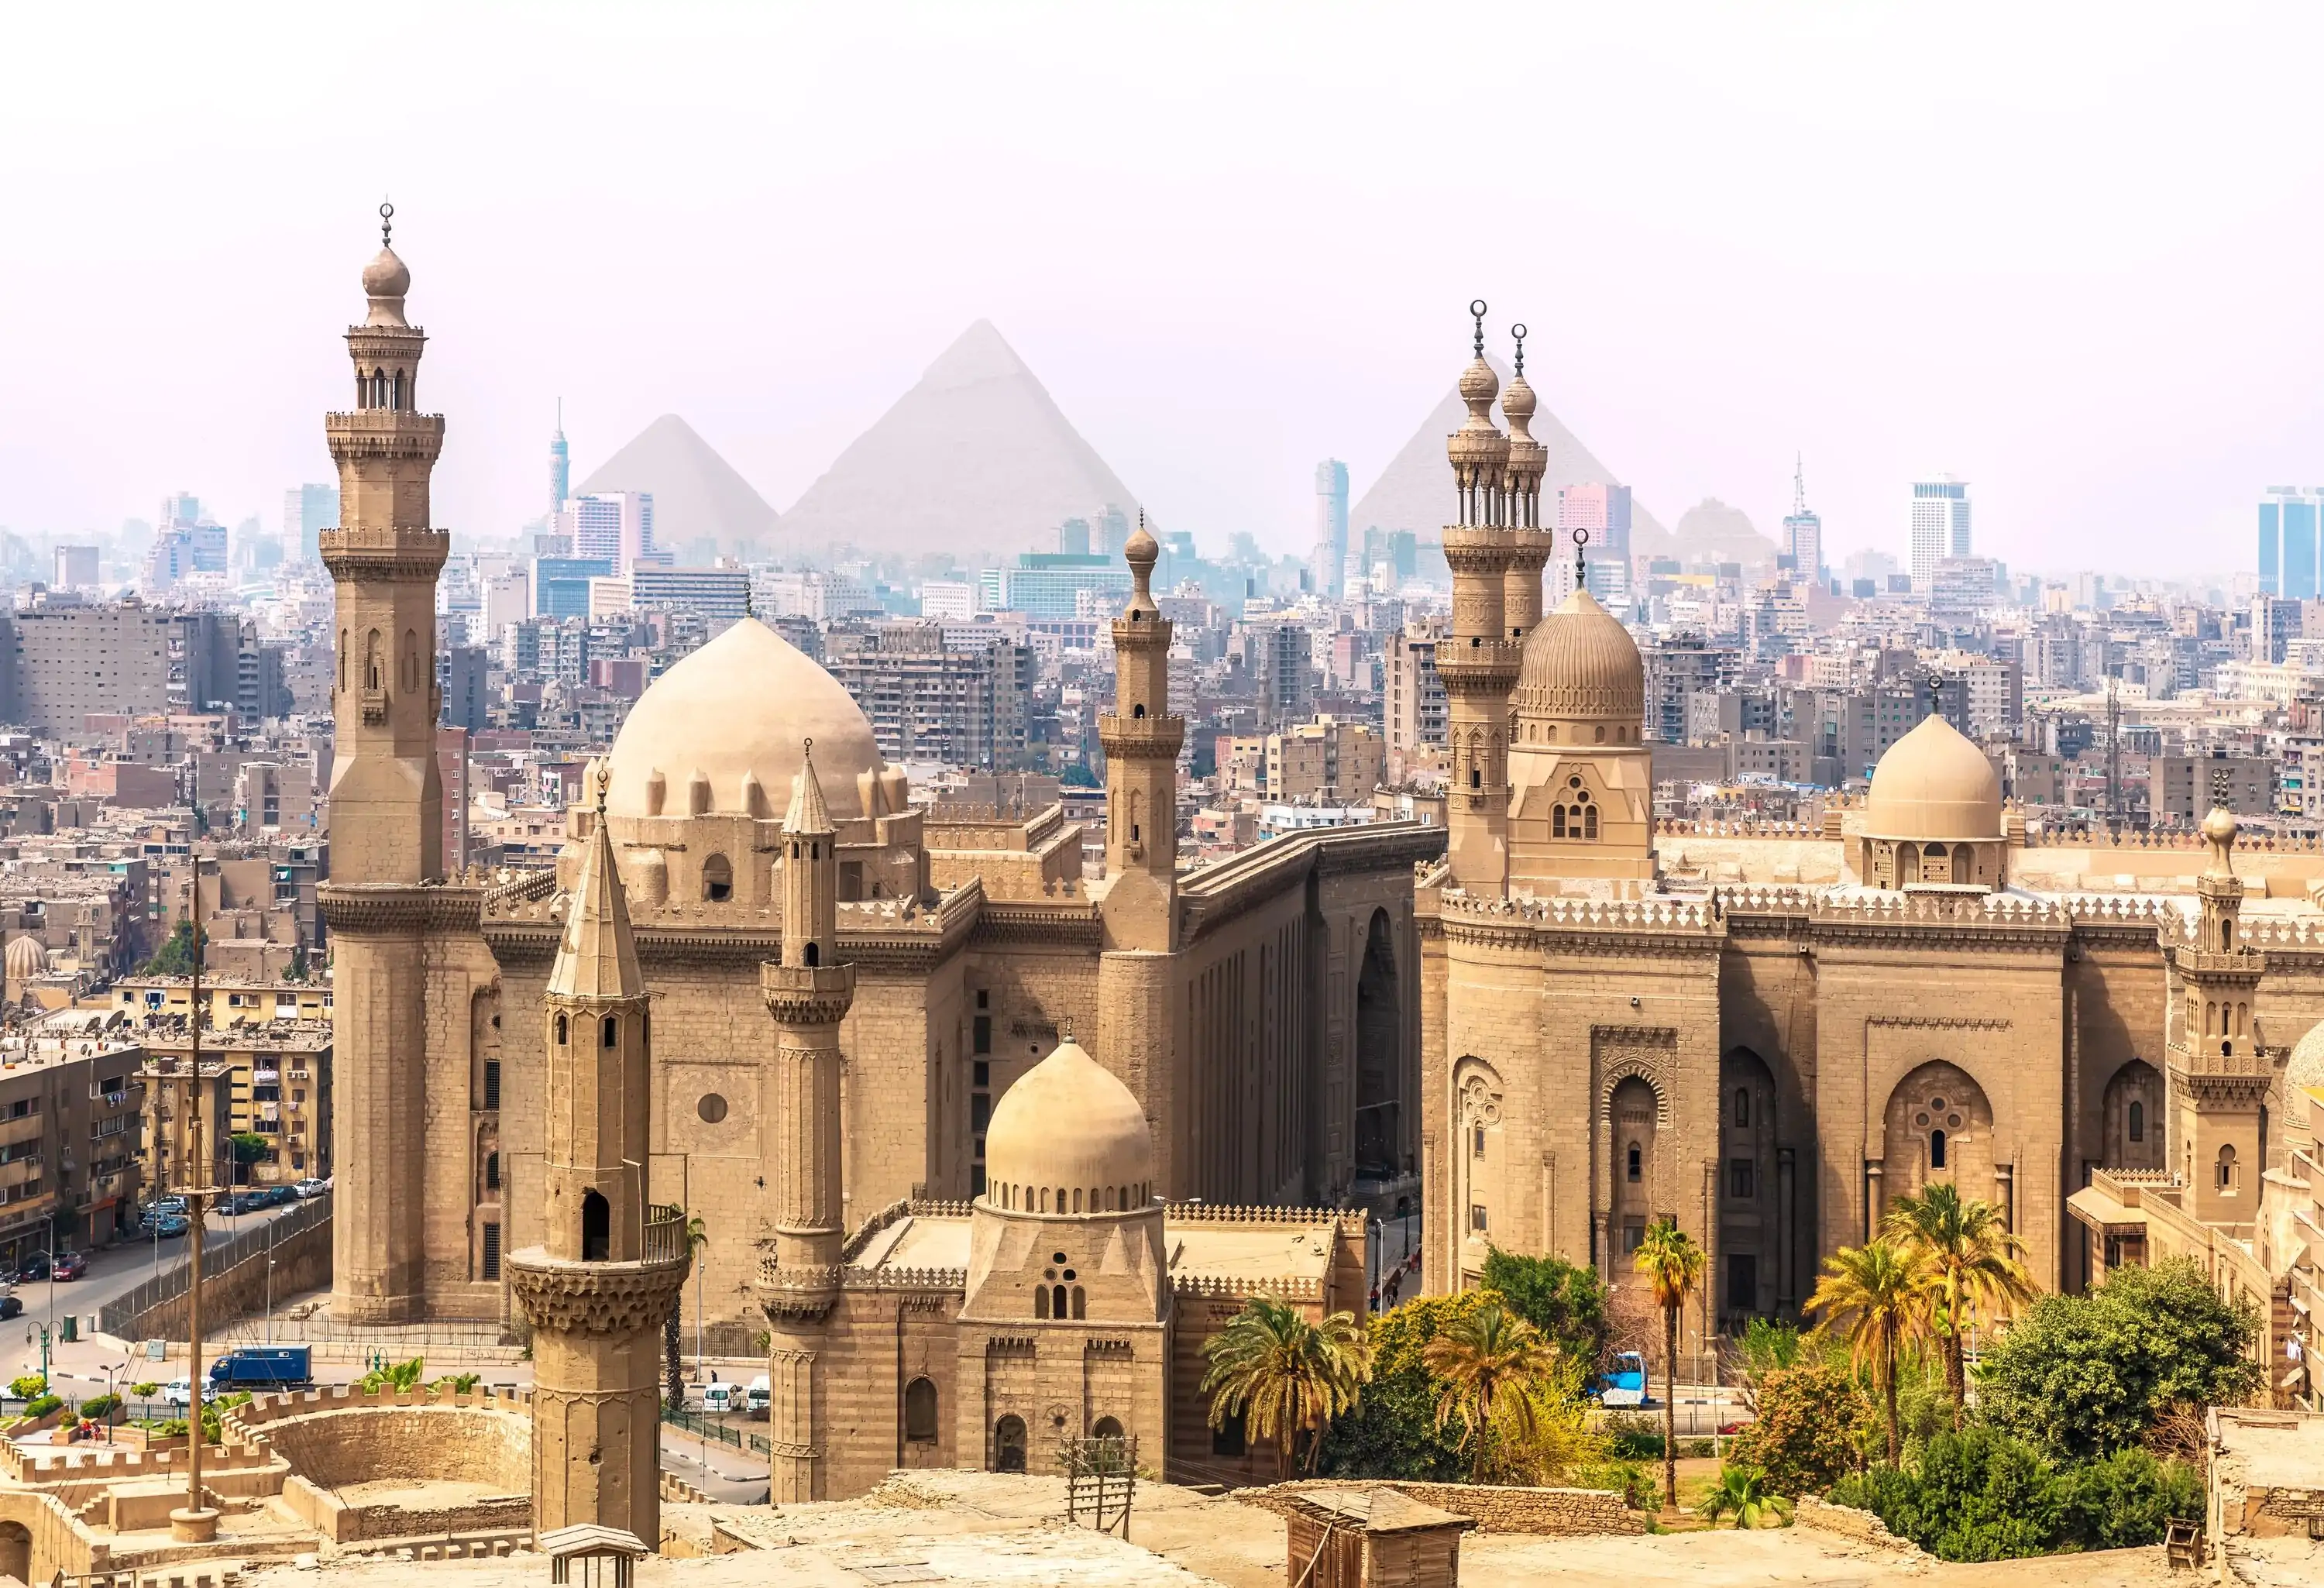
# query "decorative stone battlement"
(1688, 827)
(1229, 1285)
(1624, 915)
(1345, 1220)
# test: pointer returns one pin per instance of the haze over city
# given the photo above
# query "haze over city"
(2064, 254)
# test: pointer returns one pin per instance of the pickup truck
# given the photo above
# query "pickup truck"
(263, 1367)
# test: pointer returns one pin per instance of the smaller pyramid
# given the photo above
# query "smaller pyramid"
(696, 493)
(1414, 492)
(976, 458)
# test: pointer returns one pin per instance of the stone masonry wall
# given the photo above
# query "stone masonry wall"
(1496, 1509)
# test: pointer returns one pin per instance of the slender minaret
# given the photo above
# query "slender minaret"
(387, 816)
(808, 994)
(1139, 909)
(611, 1266)
(1477, 661)
(2220, 1074)
(1530, 545)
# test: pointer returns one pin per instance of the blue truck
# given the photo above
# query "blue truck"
(263, 1367)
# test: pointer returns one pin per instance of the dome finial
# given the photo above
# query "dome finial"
(1519, 332)
(602, 775)
(386, 222)
(1477, 310)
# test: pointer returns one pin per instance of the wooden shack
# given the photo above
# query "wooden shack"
(1372, 1538)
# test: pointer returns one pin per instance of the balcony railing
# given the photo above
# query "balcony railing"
(665, 1233)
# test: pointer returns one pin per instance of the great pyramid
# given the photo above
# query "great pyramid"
(1414, 492)
(696, 493)
(976, 457)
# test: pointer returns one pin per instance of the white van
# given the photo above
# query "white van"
(762, 1396)
(718, 1400)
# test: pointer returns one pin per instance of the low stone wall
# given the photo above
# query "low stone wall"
(414, 1444)
(341, 1523)
(1494, 1507)
(1849, 1522)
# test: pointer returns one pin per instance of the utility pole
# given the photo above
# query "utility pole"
(2114, 757)
(196, 1523)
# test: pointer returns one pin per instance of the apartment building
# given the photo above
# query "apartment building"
(70, 1100)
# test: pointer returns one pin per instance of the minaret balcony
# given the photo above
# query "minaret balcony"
(384, 433)
(1142, 738)
(808, 996)
(1477, 663)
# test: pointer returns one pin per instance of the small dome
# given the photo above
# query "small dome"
(1518, 403)
(1478, 383)
(741, 706)
(25, 959)
(387, 276)
(1068, 1123)
(2306, 1066)
(1580, 662)
(1934, 783)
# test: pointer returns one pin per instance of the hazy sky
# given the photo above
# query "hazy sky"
(2069, 253)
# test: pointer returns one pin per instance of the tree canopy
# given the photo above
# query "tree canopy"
(1566, 1303)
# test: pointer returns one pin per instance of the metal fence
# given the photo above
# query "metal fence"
(694, 1422)
(122, 1317)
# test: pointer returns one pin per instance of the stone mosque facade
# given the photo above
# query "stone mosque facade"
(1769, 1035)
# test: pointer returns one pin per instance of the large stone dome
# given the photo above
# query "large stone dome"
(2306, 1066)
(740, 707)
(1581, 664)
(1069, 1125)
(25, 959)
(1934, 783)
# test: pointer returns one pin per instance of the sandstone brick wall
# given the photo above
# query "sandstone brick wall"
(1495, 1509)
(1849, 1522)
(459, 1444)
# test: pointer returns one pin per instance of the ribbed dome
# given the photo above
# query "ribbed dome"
(25, 959)
(2306, 1066)
(1580, 662)
(741, 705)
(1067, 1124)
(1934, 783)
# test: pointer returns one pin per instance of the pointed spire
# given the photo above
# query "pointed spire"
(808, 817)
(1799, 485)
(597, 957)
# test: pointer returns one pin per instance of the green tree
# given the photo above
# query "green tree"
(1079, 775)
(1671, 1264)
(1284, 1375)
(1877, 1296)
(1391, 1432)
(1977, 1263)
(1565, 1303)
(1742, 1493)
(1491, 1359)
(298, 969)
(248, 1147)
(673, 1341)
(2127, 1499)
(2083, 1376)
(1810, 1425)
(175, 957)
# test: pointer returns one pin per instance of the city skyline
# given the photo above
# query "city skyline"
(1763, 305)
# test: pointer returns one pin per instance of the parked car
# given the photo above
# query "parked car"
(35, 1266)
(71, 1265)
(180, 1393)
(276, 1195)
(309, 1188)
(762, 1396)
(720, 1399)
(11, 1307)
(239, 1201)
(160, 1204)
(169, 1227)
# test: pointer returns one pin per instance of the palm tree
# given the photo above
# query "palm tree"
(673, 1357)
(1976, 1260)
(1490, 1358)
(1879, 1295)
(1672, 1264)
(1742, 1494)
(1283, 1374)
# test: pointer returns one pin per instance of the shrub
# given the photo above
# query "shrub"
(28, 1387)
(2082, 1376)
(1639, 1489)
(146, 1389)
(100, 1407)
(40, 1406)
(1392, 1432)
(2125, 1500)
(1633, 1435)
(1982, 1495)
(1812, 1423)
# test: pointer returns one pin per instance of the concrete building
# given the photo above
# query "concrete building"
(1325, 761)
(1282, 659)
(966, 704)
(64, 662)
(1939, 526)
(1802, 542)
(2184, 789)
(2289, 518)
(69, 1100)
(307, 511)
(721, 595)
(1415, 705)
(612, 527)
(1327, 563)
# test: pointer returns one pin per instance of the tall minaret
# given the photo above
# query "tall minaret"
(2220, 1073)
(808, 994)
(1530, 544)
(1477, 661)
(1139, 909)
(596, 1292)
(387, 816)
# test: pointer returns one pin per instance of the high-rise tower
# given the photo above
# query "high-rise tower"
(1476, 663)
(387, 823)
(1139, 909)
(1327, 563)
(560, 465)
(808, 994)
(611, 1265)
(1803, 530)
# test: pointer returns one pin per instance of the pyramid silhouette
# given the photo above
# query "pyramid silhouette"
(1414, 492)
(696, 492)
(976, 458)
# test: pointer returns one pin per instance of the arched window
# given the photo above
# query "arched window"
(1638, 1164)
(1077, 1199)
(611, 1033)
(1476, 777)
(2243, 1019)
(1044, 1199)
(920, 1411)
(2227, 1170)
(596, 1226)
(814, 954)
(1009, 1445)
(1056, 1301)
(492, 1171)
(2227, 937)
(1589, 821)
(1557, 822)
(1742, 1107)
(1081, 1303)
(374, 678)
(560, 1031)
(1936, 1149)
(1041, 1301)
(1106, 1429)
(1138, 711)
(718, 879)
(397, 396)
(2137, 1121)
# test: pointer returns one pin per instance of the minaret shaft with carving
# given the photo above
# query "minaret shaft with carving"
(1477, 661)
(808, 994)
(2219, 1070)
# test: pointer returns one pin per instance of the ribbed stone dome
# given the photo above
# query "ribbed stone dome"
(2306, 1066)
(1069, 1125)
(1580, 663)
(25, 959)
(1934, 783)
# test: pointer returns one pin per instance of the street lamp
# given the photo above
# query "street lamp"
(41, 1330)
(112, 1371)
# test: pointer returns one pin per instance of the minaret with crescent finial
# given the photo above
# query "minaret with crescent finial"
(1477, 661)
(386, 799)
(1531, 545)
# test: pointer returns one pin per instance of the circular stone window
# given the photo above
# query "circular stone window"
(1937, 1105)
(1920, 1120)
(712, 1108)
(1954, 1120)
